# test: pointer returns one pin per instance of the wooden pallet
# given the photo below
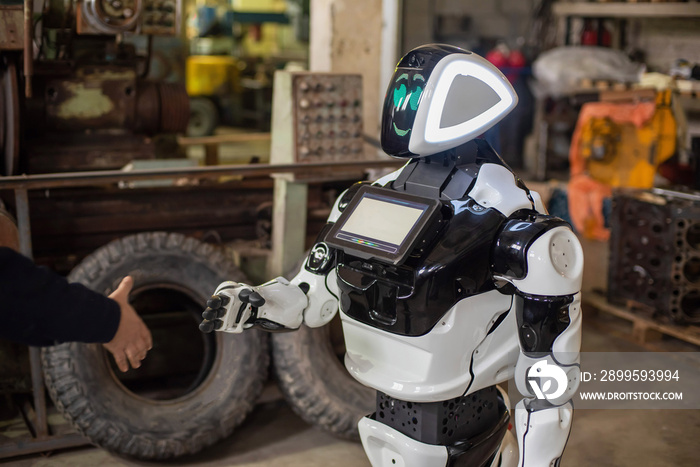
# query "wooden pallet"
(645, 328)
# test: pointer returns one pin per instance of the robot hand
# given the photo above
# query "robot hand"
(235, 307)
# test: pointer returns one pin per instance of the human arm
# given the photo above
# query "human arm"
(39, 307)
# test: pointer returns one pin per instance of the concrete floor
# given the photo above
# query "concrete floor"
(274, 436)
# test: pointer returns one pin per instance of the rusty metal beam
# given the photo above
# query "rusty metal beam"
(30, 446)
(28, 48)
(106, 177)
(23, 226)
(41, 427)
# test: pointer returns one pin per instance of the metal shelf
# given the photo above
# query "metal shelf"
(627, 10)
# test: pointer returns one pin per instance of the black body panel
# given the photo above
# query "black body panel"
(471, 426)
(540, 320)
(514, 240)
(410, 299)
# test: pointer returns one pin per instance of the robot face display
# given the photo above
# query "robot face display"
(401, 105)
(441, 97)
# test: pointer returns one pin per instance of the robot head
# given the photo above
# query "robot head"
(441, 97)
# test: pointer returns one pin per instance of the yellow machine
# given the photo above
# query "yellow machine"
(211, 79)
(209, 75)
(622, 154)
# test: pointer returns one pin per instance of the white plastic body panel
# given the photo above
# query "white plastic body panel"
(539, 205)
(542, 434)
(386, 447)
(554, 265)
(427, 136)
(508, 452)
(432, 367)
(572, 372)
(567, 345)
(389, 177)
(495, 188)
(494, 359)
(322, 296)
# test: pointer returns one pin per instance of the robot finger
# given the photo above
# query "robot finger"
(217, 301)
(211, 314)
(207, 326)
(244, 295)
(256, 300)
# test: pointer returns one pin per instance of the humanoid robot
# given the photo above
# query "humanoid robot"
(450, 278)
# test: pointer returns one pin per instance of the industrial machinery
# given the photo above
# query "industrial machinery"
(75, 93)
(655, 252)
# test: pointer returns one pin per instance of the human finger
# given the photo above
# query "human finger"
(134, 359)
(124, 288)
(120, 360)
(147, 337)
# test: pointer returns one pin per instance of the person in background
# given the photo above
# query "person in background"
(39, 307)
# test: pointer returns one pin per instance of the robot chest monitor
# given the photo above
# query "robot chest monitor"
(383, 225)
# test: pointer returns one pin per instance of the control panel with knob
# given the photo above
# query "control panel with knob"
(317, 117)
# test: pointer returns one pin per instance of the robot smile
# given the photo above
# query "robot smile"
(399, 131)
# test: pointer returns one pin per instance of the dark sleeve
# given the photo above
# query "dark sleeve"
(39, 307)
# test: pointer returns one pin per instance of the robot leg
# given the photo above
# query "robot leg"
(542, 433)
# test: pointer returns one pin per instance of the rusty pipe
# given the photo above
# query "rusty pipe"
(105, 177)
(28, 47)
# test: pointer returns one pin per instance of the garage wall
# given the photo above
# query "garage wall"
(665, 40)
(491, 19)
(346, 37)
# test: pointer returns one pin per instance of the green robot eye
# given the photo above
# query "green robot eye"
(415, 97)
(399, 95)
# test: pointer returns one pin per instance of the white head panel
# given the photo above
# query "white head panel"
(464, 96)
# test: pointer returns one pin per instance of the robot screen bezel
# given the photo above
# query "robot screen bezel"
(336, 237)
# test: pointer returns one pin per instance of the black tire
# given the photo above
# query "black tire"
(204, 117)
(84, 386)
(315, 383)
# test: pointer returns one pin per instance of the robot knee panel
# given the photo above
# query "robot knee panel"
(547, 380)
(386, 447)
(542, 434)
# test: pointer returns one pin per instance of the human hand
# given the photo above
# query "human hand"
(133, 339)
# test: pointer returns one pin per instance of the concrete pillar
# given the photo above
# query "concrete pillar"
(357, 36)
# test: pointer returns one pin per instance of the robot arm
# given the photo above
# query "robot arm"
(542, 258)
(278, 305)
(311, 297)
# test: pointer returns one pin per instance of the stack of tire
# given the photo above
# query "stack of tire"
(186, 412)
